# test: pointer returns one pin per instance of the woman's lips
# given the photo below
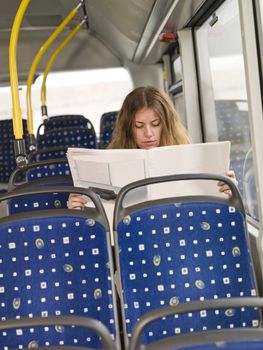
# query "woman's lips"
(150, 143)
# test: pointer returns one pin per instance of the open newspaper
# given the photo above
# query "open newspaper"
(112, 169)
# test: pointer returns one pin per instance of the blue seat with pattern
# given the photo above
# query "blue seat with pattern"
(106, 136)
(39, 201)
(256, 344)
(96, 328)
(233, 338)
(36, 170)
(68, 137)
(7, 153)
(64, 121)
(56, 263)
(46, 173)
(174, 251)
(107, 119)
(107, 124)
(48, 153)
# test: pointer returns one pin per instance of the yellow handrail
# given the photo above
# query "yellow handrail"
(37, 58)
(50, 63)
(16, 109)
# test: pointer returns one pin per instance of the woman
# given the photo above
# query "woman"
(147, 119)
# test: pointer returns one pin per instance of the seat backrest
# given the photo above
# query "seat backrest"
(175, 250)
(68, 137)
(64, 121)
(56, 263)
(47, 154)
(59, 322)
(107, 124)
(106, 136)
(37, 170)
(235, 338)
(46, 173)
(40, 201)
(7, 153)
(108, 119)
(255, 344)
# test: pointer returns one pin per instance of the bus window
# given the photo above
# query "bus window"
(261, 13)
(90, 93)
(176, 89)
(178, 100)
(177, 69)
(260, 29)
(249, 186)
(222, 85)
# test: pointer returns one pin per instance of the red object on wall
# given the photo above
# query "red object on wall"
(167, 37)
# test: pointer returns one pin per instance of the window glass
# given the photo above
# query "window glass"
(261, 12)
(177, 68)
(90, 93)
(176, 90)
(179, 106)
(260, 29)
(223, 93)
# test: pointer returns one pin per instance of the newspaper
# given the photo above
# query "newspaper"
(112, 169)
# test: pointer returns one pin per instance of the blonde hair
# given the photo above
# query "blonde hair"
(173, 131)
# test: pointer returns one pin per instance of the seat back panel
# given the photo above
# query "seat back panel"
(55, 266)
(172, 254)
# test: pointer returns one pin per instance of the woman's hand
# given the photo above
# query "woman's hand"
(76, 201)
(223, 187)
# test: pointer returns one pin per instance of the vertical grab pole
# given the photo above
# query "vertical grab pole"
(19, 142)
(49, 65)
(33, 68)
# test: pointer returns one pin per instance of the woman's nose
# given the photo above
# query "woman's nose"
(148, 130)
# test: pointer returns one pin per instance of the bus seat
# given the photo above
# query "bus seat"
(107, 124)
(40, 201)
(7, 153)
(253, 344)
(47, 153)
(46, 173)
(45, 169)
(68, 137)
(108, 119)
(59, 322)
(175, 250)
(230, 339)
(56, 263)
(106, 136)
(64, 121)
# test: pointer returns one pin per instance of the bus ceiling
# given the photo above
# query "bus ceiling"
(117, 32)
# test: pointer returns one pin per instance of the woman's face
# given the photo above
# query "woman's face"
(147, 129)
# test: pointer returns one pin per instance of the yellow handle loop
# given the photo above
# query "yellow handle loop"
(52, 59)
(34, 65)
(16, 109)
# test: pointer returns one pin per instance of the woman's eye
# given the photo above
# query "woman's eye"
(156, 123)
(139, 126)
